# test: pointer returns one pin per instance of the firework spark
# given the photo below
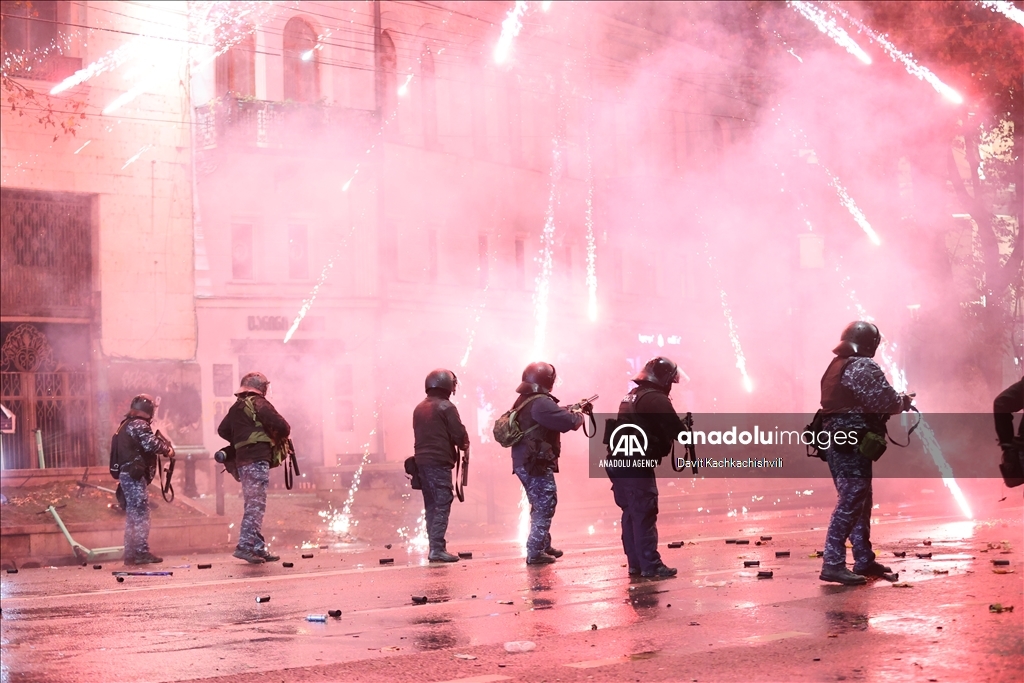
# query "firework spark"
(588, 220)
(827, 25)
(1007, 9)
(136, 156)
(510, 28)
(547, 240)
(308, 303)
(734, 336)
(523, 531)
(912, 67)
(851, 206)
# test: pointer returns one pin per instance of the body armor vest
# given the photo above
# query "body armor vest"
(541, 433)
(835, 396)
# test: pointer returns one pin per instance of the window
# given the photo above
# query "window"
(485, 264)
(236, 69)
(298, 252)
(301, 64)
(428, 104)
(223, 380)
(388, 96)
(29, 26)
(520, 264)
(241, 252)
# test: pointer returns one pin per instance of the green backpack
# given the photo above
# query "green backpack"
(506, 428)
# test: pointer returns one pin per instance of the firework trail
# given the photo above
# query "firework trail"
(1007, 9)
(734, 337)
(912, 67)
(827, 25)
(510, 28)
(543, 292)
(588, 220)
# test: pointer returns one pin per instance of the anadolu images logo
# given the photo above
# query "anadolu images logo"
(628, 440)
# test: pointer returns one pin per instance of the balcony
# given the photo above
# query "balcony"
(248, 123)
(49, 69)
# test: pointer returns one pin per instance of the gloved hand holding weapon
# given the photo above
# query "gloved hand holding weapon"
(586, 407)
(690, 449)
(462, 473)
(166, 489)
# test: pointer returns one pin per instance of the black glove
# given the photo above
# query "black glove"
(908, 401)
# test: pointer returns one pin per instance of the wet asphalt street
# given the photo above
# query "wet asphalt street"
(587, 619)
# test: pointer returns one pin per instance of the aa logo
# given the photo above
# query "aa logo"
(628, 440)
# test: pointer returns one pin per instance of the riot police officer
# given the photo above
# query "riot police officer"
(535, 457)
(855, 397)
(439, 434)
(133, 454)
(1003, 408)
(635, 489)
(254, 426)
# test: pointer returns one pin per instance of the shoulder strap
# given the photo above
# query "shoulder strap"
(258, 436)
(522, 405)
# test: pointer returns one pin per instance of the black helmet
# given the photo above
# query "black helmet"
(660, 371)
(538, 378)
(860, 338)
(441, 379)
(143, 406)
(253, 381)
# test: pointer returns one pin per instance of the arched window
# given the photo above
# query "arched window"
(428, 101)
(301, 66)
(236, 68)
(389, 77)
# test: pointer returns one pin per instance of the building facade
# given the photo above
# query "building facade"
(372, 165)
(97, 247)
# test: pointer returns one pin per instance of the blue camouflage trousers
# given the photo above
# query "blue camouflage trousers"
(851, 519)
(136, 520)
(438, 495)
(543, 496)
(638, 500)
(255, 476)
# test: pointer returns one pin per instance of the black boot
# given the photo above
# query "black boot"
(554, 552)
(659, 572)
(540, 559)
(148, 558)
(267, 555)
(249, 556)
(442, 555)
(838, 573)
(873, 569)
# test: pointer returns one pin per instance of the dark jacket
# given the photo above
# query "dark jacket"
(553, 421)
(236, 427)
(135, 440)
(650, 407)
(438, 431)
(1003, 408)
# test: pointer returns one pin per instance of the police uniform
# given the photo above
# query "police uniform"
(855, 396)
(253, 448)
(1010, 401)
(135, 450)
(635, 488)
(535, 462)
(438, 432)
